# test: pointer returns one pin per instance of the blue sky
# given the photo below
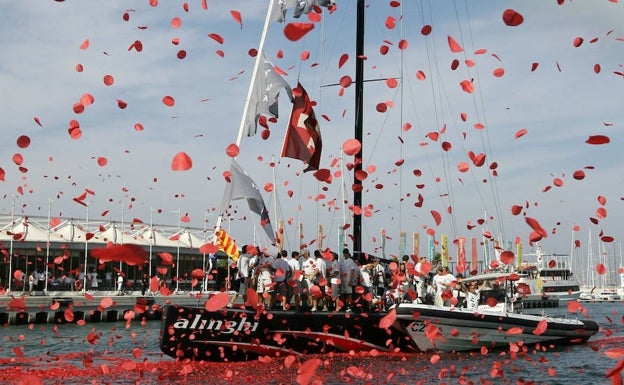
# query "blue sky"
(560, 104)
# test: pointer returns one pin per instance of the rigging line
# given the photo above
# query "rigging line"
(436, 91)
(433, 70)
(485, 138)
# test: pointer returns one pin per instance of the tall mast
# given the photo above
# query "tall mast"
(359, 113)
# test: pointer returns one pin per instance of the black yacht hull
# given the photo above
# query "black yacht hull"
(245, 334)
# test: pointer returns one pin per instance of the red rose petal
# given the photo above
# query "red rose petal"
(512, 18)
(23, 141)
(597, 139)
(295, 31)
(351, 146)
(168, 101)
(181, 162)
(232, 150)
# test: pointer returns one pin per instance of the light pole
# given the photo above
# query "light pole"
(11, 242)
(121, 240)
(177, 252)
(47, 261)
(206, 273)
(151, 240)
(86, 250)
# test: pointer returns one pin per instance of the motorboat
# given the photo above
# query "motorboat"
(495, 323)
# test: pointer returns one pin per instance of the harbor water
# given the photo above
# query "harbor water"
(128, 353)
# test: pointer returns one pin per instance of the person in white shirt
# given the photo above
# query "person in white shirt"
(120, 281)
(442, 282)
(473, 294)
(31, 283)
(264, 286)
(242, 275)
(366, 272)
(321, 278)
(294, 283)
(349, 276)
(310, 272)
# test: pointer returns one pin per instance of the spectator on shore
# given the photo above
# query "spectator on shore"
(92, 278)
(108, 280)
(120, 281)
(31, 283)
(144, 284)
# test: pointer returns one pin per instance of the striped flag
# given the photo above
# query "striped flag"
(227, 245)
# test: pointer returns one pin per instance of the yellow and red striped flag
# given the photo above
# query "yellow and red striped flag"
(226, 244)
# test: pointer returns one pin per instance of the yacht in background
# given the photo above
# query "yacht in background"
(547, 280)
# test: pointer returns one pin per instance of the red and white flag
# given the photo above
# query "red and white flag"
(303, 136)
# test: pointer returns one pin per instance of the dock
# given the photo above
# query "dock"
(19, 308)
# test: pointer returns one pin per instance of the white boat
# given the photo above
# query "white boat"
(494, 324)
(606, 293)
(548, 277)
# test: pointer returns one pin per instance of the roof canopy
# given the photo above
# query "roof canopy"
(70, 230)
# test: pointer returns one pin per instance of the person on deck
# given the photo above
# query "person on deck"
(333, 274)
(442, 284)
(294, 283)
(321, 278)
(310, 273)
(349, 277)
(473, 294)
(242, 275)
(282, 274)
(264, 285)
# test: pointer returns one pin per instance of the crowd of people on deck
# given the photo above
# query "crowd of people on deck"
(324, 281)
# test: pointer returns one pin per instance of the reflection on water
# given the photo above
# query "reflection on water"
(105, 353)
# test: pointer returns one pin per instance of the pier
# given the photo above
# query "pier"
(20, 308)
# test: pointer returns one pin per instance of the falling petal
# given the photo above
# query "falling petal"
(453, 45)
(216, 37)
(236, 15)
(217, 301)
(512, 18)
(520, 133)
(436, 217)
(295, 31)
(23, 141)
(181, 162)
(168, 101)
(351, 146)
(232, 150)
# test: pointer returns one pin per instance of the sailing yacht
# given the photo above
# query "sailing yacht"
(218, 333)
